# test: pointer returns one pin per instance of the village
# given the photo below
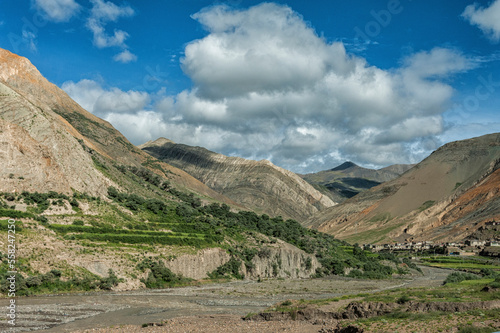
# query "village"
(469, 247)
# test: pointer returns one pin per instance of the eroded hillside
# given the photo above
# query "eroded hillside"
(257, 185)
(446, 197)
(51, 143)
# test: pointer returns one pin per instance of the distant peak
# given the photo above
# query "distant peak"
(157, 143)
(161, 141)
(344, 166)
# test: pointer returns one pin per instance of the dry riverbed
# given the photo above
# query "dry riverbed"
(205, 308)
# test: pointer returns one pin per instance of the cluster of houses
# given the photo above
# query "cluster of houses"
(466, 248)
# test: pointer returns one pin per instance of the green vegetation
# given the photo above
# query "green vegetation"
(230, 269)
(143, 223)
(15, 214)
(426, 205)
(457, 277)
(473, 329)
(53, 281)
(372, 236)
(469, 264)
(381, 217)
(160, 276)
(85, 125)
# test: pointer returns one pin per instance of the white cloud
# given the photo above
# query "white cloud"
(97, 100)
(267, 47)
(85, 92)
(125, 57)
(487, 19)
(58, 10)
(102, 13)
(267, 86)
(107, 11)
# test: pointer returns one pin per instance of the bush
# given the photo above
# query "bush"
(403, 299)
(457, 277)
(109, 282)
(229, 269)
(411, 265)
(159, 276)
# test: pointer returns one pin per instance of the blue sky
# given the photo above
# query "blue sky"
(306, 85)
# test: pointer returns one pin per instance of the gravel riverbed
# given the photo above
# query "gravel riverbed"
(206, 308)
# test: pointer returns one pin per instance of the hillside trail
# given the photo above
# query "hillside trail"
(71, 312)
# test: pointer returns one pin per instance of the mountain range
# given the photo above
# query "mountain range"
(257, 185)
(449, 195)
(349, 179)
(50, 143)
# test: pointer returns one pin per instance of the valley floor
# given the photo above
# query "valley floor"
(206, 308)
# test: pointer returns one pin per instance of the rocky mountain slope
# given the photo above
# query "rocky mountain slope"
(49, 143)
(258, 185)
(446, 197)
(349, 179)
(94, 212)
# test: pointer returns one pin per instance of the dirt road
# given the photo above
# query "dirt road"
(68, 313)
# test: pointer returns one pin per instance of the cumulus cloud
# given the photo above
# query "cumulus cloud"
(487, 19)
(102, 102)
(58, 10)
(242, 53)
(265, 71)
(265, 85)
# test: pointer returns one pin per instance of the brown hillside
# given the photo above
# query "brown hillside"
(62, 133)
(258, 185)
(445, 197)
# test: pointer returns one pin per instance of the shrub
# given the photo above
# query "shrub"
(159, 276)
(403, 299)
(109, 282)
(229, 269)
(457, 277)
(411, 264)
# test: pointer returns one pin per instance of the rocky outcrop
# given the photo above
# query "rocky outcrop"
(446, 197)
(196, 266)
(257, 185)
(281, 260)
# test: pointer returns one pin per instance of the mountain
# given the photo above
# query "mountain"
(94, 212)
(349, 179)
(258, 185)
(50, 143)
(448, 196)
